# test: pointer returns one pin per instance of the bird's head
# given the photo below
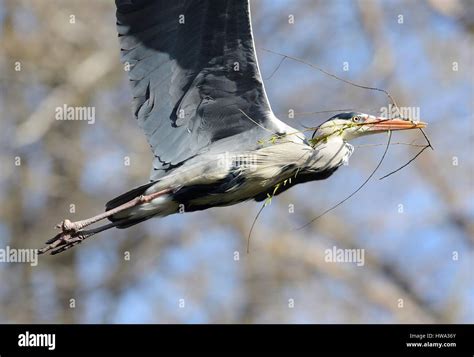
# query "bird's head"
(351, 125)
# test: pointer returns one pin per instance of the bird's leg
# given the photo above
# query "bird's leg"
(72, 233)
(67, 225)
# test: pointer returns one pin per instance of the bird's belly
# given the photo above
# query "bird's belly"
(248, 189)
(199, 197)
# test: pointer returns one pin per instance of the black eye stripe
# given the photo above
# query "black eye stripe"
(345, 116)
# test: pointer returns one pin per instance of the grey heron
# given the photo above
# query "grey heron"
(200, 100)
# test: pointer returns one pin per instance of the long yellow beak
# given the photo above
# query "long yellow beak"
(382, 124)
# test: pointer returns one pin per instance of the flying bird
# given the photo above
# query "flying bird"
(199, 98)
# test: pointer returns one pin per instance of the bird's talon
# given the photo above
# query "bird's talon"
(62, 242)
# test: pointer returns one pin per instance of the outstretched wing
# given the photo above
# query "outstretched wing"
(194, 75)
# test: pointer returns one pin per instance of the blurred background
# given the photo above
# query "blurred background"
(416, 227)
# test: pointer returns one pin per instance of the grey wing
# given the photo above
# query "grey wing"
(194, 76)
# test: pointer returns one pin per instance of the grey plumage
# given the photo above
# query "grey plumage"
(193, 71)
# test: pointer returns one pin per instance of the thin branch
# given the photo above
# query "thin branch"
(253, 121)
(277, 68)
(333, 75)
(414, 158)
(405, 165)
(426, 138)
(398, 143)
(358, 189)
(253, 225)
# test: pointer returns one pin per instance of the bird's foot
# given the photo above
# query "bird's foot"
(69, 236)
(72, 234)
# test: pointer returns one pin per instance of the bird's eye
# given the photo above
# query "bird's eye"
(356, 119)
